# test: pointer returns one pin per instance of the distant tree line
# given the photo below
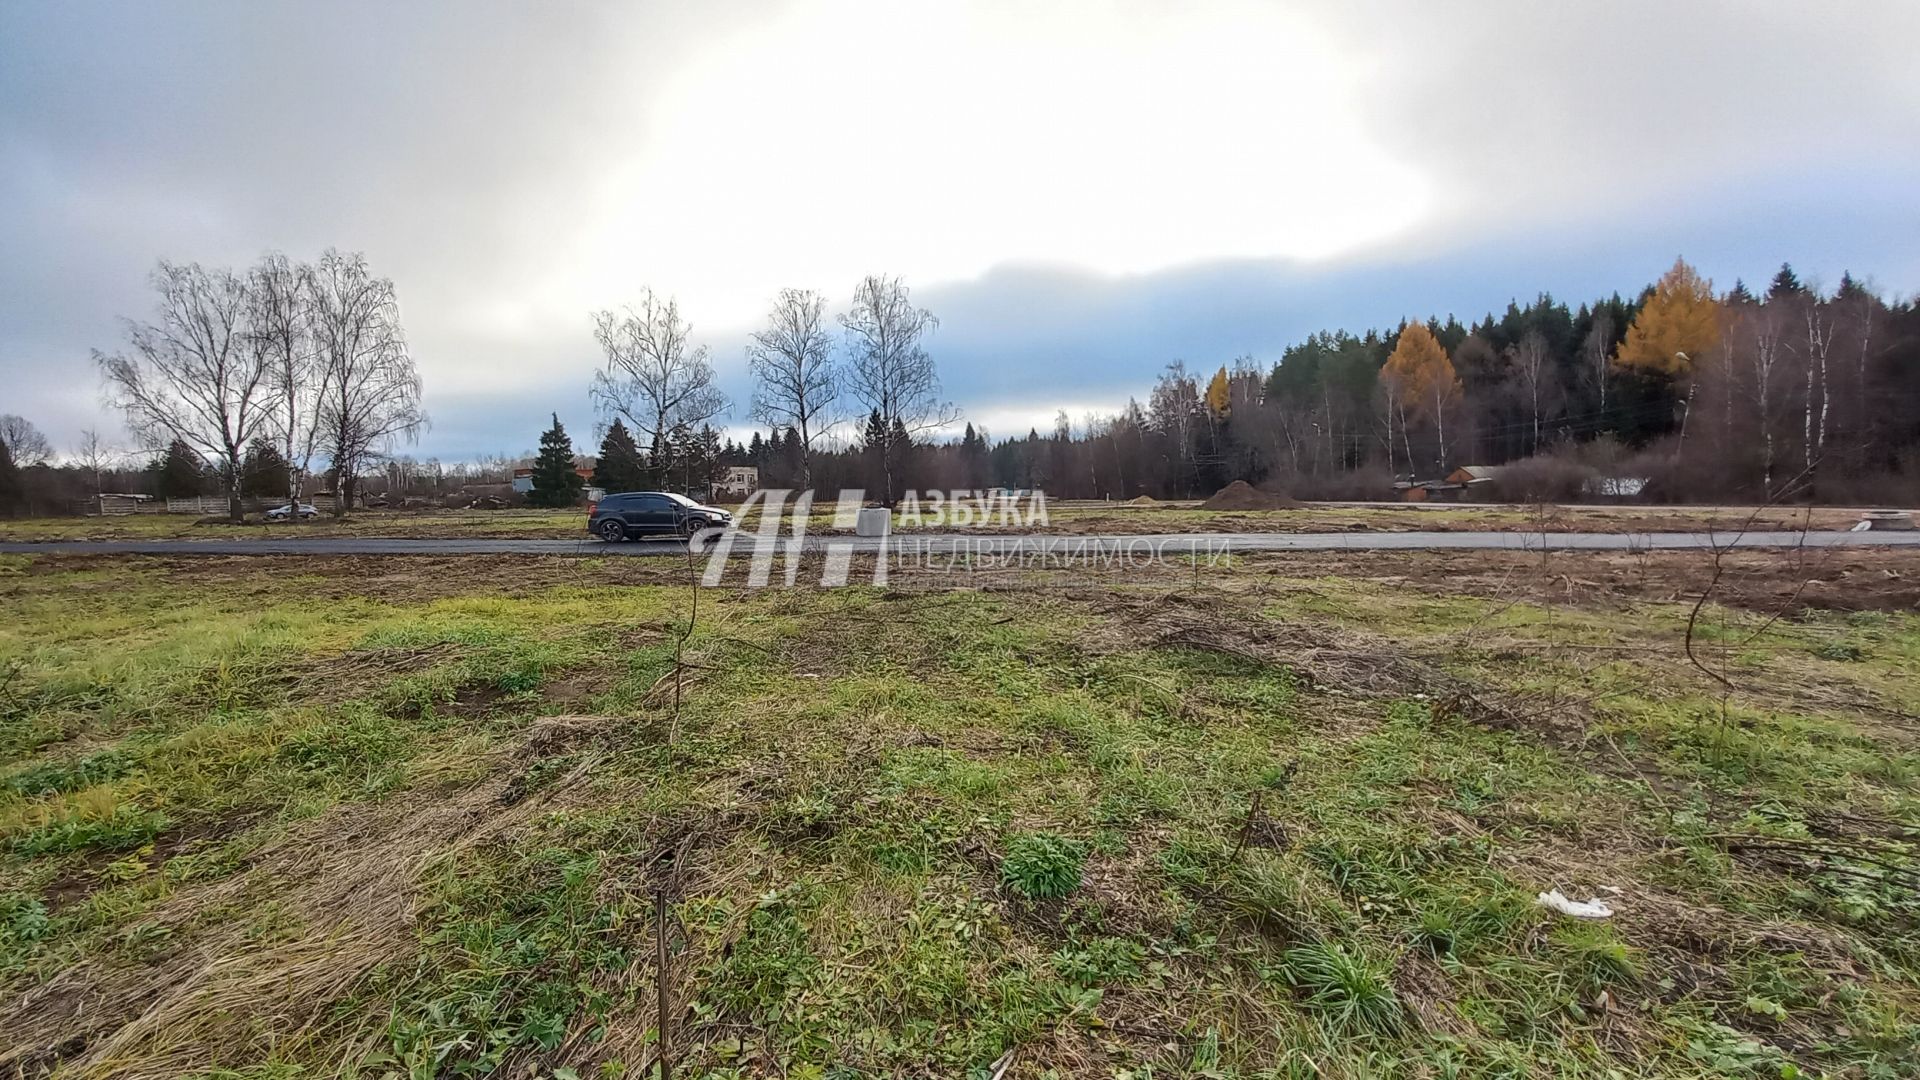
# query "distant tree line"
(1792, 393)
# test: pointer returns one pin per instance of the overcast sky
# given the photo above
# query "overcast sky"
(1082, 192)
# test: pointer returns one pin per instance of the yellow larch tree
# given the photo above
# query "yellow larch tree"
(1419, 380)
(1676, 328)
(1673, 334)
(1219, 395)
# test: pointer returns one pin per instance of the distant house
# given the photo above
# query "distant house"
(738, 482)
(523, 478)
(1470, 476)
(1451, 488)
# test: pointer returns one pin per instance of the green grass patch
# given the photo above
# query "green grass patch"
(906, 833)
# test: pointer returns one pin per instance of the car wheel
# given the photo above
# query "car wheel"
(611, 531)
(691, 525)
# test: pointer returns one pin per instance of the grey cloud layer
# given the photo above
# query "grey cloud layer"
(1576, 149)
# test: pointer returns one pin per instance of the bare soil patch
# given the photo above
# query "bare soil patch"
(1241, 495)
(1863, 579)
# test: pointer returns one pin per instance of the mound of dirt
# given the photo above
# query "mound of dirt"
(1241, 495)
(1143, 500)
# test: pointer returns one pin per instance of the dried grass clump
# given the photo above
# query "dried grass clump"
(347, 880)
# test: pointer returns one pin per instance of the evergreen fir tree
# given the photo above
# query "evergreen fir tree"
(682, 446)
(873, 443)
(903, 452)
(555, 484)
(660, 460)
(973, 457)
(790, 457)
(708, 465)
(620, 467)
(263, 472)
(1785, 283)
(178, 473)
(12, 496)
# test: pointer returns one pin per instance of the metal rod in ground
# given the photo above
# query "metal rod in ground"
(662, 1044)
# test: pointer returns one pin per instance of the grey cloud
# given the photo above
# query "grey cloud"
(1577, 149)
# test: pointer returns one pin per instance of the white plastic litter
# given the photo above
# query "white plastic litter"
(1594, 908)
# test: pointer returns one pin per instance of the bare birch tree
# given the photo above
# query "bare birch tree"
(1533, 368)
(1757, 339)
(95, 456)
(191, 375)
(1819, 324)
(888, 370)
(280, 325)
(369, 389)
(655, 377)
(1855, 313)
(795, 381)
(1596, 355)
(1172, 409)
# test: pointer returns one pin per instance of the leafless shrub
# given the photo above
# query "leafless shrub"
(1545, 478)
(1374, 482)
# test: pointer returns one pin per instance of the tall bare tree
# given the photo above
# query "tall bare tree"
(1535, 385)
(888, 370)
(1819, 324)
(795, 381)
(1758, 352)
(280, 326)
(655, 377)
(192, 375)
(369, 389)
(94, 455)
(24, 441)
(1173, 411)
(1856, 319)
(1596, 355)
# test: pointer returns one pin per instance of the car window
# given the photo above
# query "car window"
(654, 502)
(682, 499)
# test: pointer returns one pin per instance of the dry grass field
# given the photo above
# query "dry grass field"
(1278, 816)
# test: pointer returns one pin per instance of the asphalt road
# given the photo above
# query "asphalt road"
(934, 546)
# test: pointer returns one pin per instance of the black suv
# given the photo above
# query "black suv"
(629, 515)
